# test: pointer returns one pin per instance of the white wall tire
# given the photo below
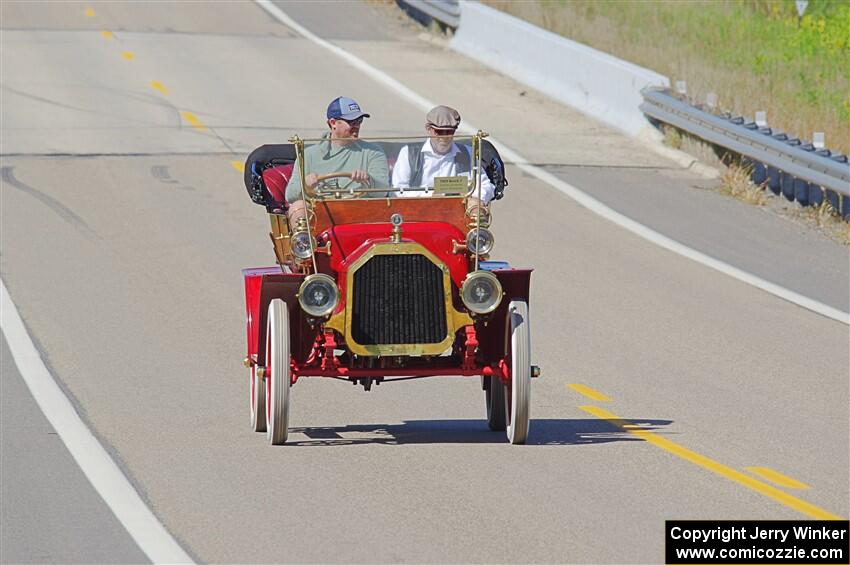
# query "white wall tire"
(518, 393)
(257, 401)
(278, 380)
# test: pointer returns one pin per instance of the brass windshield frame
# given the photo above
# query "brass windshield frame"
(299, 154)
(308, 194)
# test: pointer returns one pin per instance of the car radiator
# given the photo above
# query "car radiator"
(398, 299)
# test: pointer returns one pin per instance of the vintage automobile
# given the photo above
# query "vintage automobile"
(375, 284)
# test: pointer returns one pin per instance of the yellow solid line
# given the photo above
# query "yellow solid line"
(155, 84)
(238, 165)
(590, 393)
(192, 119)
(89, 13)
(107, 34)
(777, 478)
(713, 466)
(128, 55)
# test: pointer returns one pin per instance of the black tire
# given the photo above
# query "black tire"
(495, 397)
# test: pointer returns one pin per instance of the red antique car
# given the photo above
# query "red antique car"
(373, 285)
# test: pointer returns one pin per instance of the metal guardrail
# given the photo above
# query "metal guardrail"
(801, 171)
(788, 161)
(447, 12)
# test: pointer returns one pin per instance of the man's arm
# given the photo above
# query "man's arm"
(378, 169)
(293, 189)
(401, 170)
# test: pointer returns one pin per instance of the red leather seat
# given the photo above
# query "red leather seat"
(276, 178)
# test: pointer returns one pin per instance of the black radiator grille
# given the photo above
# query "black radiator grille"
(398, 299)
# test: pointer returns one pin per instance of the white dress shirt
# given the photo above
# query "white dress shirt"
(435, 165)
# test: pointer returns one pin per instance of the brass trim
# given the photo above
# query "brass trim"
(342, 321)
(280, 237)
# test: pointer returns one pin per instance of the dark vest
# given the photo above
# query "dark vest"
(414, 155)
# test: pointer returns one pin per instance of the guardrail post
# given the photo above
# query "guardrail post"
(801, 192)
(759, 174)
(787, 186)
(834, 200)
(801, 187)
(844, 208)
(815, 195)
(774, 179)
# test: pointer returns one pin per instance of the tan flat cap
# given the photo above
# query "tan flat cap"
(443, 117)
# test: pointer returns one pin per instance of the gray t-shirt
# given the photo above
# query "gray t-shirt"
(323, 158)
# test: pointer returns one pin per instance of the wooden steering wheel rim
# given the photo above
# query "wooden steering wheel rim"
(320, 178)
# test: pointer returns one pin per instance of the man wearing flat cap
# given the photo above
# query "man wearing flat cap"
(340, 151)
(439, 156)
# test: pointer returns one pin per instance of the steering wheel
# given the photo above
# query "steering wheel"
(322, 184)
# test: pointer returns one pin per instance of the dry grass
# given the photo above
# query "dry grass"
(747, 52)
(735, 182)
(827, 220)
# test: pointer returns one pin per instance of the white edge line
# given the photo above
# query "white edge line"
(103, 473)
(579, 196)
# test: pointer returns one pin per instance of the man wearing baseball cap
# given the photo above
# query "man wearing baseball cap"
(340, 151)
(439, 156)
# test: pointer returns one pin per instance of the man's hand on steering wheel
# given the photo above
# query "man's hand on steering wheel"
(357, 176)
(361, 176)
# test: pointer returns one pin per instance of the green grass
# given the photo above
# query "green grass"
(754, 54)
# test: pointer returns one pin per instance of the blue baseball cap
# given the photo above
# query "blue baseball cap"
(346, 109)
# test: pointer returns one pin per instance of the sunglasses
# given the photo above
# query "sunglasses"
(443, 131)
(354, 122)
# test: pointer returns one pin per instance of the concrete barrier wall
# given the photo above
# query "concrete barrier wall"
(591, 81)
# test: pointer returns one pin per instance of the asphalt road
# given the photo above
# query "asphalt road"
(45, 493)
(124, 229)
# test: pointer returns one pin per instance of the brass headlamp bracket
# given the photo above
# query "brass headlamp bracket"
(478, 216)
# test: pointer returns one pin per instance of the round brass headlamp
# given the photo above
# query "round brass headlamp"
(318, 295)
(480, 240)
(481, 292)
(302, 244)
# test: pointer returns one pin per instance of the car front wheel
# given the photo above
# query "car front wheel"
(517, 393)
(278, 380)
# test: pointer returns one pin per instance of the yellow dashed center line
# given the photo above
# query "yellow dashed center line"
(192, 119)
(777, 478)
(156, 85)
(590, 393)
(238, 165)
(107, 34)
(128, 55)
(89, 13)
(706, 463)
